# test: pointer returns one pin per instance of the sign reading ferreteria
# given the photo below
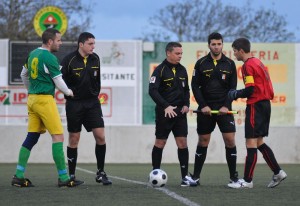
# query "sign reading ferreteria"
(50, 17)
(279, 59)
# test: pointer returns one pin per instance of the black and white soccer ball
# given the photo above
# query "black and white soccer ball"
(158, 178)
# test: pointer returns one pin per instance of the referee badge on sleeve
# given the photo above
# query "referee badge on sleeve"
(152, 79)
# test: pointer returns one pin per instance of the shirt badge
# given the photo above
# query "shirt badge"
(152, 79)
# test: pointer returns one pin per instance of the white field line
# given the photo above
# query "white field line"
(181, 199)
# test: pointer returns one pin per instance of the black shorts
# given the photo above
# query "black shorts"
(164, 125)
(86, 112)
(206, 124)
(257, 120)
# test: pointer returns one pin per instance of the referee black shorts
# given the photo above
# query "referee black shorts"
(206, 123)
(85, 112)
(257, 119)
(164, 125)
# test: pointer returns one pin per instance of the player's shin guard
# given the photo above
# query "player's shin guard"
(250, 164)
(269, 157)
(59, 159)
(231, 160)
(24, 154)
(22, 162)
(100, 151)
(156, 157)
(200, 157)
(183, 157)
(72, 154)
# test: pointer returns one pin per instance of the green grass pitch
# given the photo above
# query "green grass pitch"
(130, 187)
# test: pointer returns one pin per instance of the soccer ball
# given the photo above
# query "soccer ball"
(158, 178)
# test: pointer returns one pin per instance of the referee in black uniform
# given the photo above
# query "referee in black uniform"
(169, 89)
(81, 72)
(214, 75)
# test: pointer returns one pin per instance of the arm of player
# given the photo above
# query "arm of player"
(61, 85)
(242, 93)
(24, 77)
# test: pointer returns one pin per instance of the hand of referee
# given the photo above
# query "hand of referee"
(223, 111)
(169, 112)
(185, 109)
(206, 110)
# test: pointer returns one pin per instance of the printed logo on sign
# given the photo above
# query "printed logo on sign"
(103, 98)
(4, 97)
(14, 104)
(18, 96)
(50, 17)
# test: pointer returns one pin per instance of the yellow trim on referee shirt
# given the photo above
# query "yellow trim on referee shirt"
(215, 62)
(85, 61)
(174, 70)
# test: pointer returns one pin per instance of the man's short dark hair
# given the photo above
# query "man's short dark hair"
(84, 36)
(49, 34)
(242, 43)
(170, 46)
(214, 35)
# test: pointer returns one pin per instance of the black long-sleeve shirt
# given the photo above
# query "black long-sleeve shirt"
(82, 75)
(211, 83)
(169, 85)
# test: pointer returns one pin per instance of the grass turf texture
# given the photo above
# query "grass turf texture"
(130, 187)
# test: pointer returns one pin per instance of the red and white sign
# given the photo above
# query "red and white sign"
(13, 104)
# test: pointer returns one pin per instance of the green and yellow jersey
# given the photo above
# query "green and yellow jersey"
(42, 67)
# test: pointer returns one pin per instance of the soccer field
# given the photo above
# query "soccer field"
(130, 187)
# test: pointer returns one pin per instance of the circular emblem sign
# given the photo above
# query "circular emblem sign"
(50, 17)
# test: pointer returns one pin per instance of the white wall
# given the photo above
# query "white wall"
(133, 144)
(4, 62)
(297, 84)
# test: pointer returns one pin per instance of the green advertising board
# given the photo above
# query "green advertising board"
(150, 61)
